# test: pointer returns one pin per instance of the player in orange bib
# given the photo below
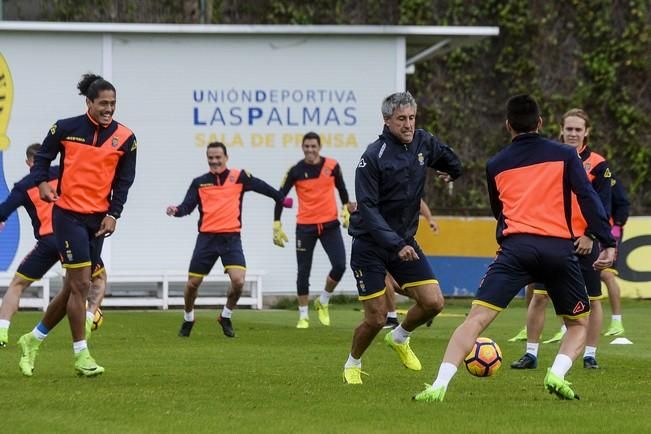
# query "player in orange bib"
(315, 178)
(44, 254)
(575, 131)
(218, 194)
(98, 166)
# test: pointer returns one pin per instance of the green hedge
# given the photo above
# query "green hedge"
(593, 54)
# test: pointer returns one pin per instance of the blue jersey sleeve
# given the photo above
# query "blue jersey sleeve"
(14, 200)
(190, 201)
(125, 174)
(49, 150)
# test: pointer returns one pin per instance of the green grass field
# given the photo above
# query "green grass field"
(274, 378)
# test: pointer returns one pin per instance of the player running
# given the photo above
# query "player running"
(389, 183)
(98, 165)
(44, 254)
(218, 194)
(530, 183)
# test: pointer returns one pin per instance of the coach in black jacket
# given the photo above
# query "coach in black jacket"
(389, 184)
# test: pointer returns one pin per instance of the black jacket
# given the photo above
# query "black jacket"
(389, 183)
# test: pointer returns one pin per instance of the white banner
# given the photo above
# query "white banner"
(259, 95)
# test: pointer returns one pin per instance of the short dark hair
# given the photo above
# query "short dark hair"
(31, 150)
(217, 145)
(522, 112)
(312, 135)
(91, 85)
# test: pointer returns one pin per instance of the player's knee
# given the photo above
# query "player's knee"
(237, 283)
(433, 303)
(578, 323)
(337, 271)
(478, 323)
(303, 284)
(80, 286)
(193, 283)
(302, 289)
(20, 283)
(375, 320)
(607, 277)
(539, 301)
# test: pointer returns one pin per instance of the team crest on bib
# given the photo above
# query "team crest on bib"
(115, 141)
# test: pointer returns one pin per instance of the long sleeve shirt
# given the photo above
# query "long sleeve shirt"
(219, 198)
(530, 186)
(389, 183)
(98, 164)
(315, 185)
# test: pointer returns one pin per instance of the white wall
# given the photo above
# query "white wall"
(157, 78)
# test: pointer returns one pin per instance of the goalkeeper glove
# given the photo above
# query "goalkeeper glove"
(279, 235)
(345, 216)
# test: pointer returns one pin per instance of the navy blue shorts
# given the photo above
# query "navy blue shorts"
(370, 262)
(591, 277)
(210, 247)
(526, 258)
(40, 259)
(75, 237)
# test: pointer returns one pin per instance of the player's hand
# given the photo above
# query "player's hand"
(605, 259)
(407, 254)
(47, 192)
(352, 207)
(616, 231)
(583, 245)
(433, 226)
(288, 202)
(345, 216)
(107, 227)
(280, 237)
(444, 176)
(171, 210)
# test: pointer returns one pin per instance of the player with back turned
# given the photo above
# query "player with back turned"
(575, 132)
(530, 183)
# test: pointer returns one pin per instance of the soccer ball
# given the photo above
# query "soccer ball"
(484, 359)
(98, 319)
